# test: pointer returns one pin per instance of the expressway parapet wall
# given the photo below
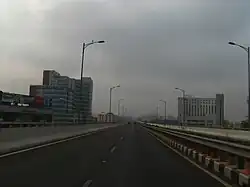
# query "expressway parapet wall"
(13, 139)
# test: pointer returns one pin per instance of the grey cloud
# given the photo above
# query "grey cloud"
(152, 47)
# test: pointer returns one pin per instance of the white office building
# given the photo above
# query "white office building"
(201, 111)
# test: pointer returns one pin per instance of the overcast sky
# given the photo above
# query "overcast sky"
(152, 47)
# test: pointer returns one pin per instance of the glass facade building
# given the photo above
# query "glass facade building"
(64, 95)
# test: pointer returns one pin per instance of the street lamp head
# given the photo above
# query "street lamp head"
(117, 86)
(101, 41)
(241, 46)
(231, 43)
(177, 88)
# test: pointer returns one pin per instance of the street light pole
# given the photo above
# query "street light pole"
(184, 105)
(83, 50)
(123, 108)
(119, 103)
(165, 111)
(247, 49)
(157, 112)
(110, 97)
(248, 60)
(84, 46)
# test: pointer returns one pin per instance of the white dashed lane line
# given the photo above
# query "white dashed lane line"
(87, 183)
(113, 149)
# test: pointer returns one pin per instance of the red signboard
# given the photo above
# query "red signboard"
(39, 101)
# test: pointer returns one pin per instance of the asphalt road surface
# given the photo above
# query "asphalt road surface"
(125, 156)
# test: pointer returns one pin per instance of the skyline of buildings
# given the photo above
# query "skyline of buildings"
(70, 104)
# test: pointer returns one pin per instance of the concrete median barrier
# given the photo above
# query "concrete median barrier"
(13, 139)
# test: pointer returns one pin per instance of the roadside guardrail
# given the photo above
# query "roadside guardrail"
(226, 157)
(211, 127)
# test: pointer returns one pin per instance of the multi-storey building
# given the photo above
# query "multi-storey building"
(62, 89)
(201, 111)
(59, 99)
(49, 77)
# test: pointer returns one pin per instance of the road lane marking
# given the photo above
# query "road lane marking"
(113, 149)
(186, 158)
(104, 161)
(46, 145)
(87, 183)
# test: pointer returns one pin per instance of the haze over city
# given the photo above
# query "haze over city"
(152, 47)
